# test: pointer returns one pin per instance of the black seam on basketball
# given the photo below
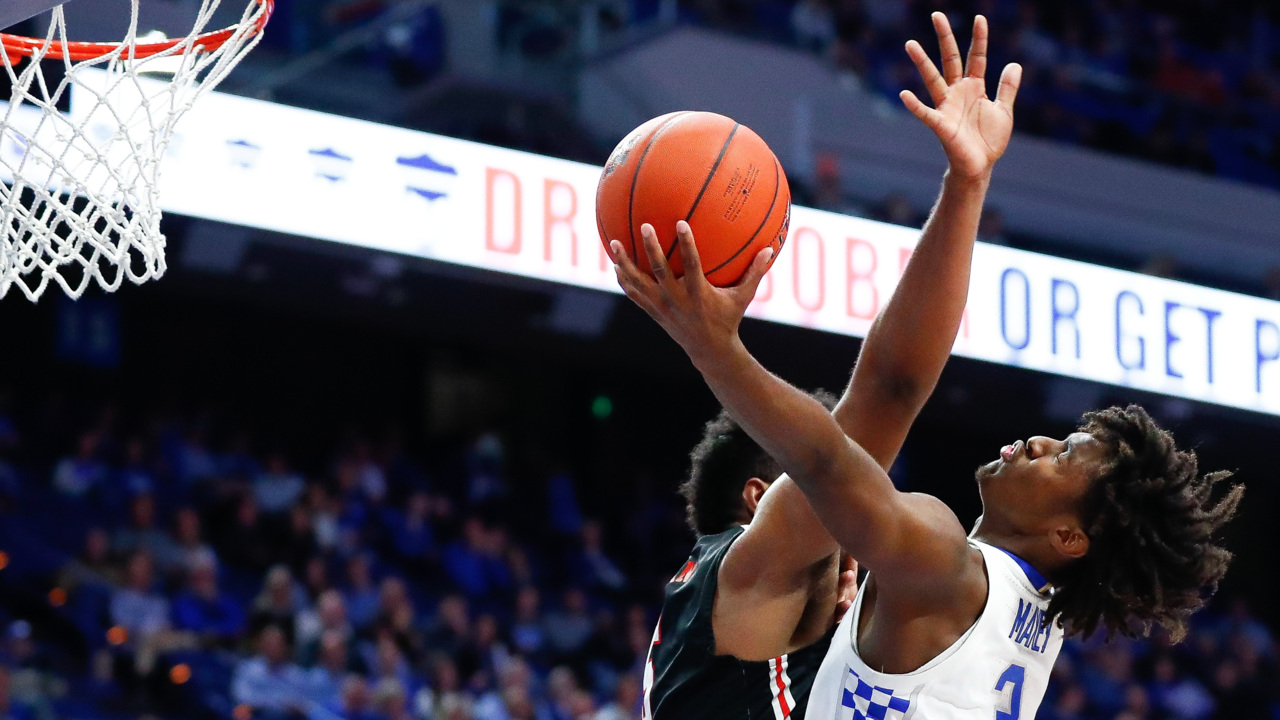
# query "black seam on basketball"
(635, 179)
(707, 183)
(777, 185)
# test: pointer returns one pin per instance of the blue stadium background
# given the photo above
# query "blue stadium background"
(311, 487)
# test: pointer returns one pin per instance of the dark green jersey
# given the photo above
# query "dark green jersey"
(686, 680)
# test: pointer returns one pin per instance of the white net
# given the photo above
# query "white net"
(80, 154)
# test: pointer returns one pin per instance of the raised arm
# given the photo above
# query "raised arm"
(911, 339)
(907, 347)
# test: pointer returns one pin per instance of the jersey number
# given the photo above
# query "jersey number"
(1009, 686)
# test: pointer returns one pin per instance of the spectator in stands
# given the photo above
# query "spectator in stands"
(136, 477)
(213, 616)
(568, 628)
(470, 562)
(334, 664)
(298, 544)
(327, 617)
(142, 533)
(813, 22)
(79, 474)
(188, 540)
(268, 681)
(390, 700)
(361, 595)
(1177, 696)
(278, 604)
(94, 565)
(9, 708)
(193, 463)
(356, 703)
(451, 629)
(410, 530)
(278, 487)
(527, 635)
(244, 542)
(388, 663)
(137, 607)
(591, 567)
(625, 704)
(444, 695)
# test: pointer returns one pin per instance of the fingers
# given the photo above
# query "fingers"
(689, 253)
(745, 290)
(933, 80)
(976, 66)
(630, 279)
(952, 65)
(652, 250)
(1010, 81)
(929, 116)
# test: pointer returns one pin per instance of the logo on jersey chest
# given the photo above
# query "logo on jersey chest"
(863, 701)
(1029, 627)
(685, 573)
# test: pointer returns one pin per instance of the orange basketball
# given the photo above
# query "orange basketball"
(703, 168)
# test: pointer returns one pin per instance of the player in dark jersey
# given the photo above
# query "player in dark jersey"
(761, 586)
(723, 491)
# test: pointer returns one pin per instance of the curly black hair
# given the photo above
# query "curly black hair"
(1153, 524)
(721, 464)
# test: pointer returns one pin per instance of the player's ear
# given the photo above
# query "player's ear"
(752, 492)
(1070, 540)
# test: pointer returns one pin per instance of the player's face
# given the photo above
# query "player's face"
(1039, 483)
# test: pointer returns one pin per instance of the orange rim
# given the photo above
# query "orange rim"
(26, 47)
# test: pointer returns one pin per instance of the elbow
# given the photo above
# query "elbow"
(902, 388)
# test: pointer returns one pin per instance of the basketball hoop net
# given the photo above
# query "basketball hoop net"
(79, 197)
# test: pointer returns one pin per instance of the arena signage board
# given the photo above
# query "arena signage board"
(338, 179)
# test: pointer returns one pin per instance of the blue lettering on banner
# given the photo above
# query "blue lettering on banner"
(1060, 313)
(1026, 308)
(1209, 317)
(1029, 627)
(1170, 339)
(1142, 343)
(1270, 356)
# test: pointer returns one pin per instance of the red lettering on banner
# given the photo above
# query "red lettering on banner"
(861, 278)
(491, 180)
(550, 219)
(795, 270)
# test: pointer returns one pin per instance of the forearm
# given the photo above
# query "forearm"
(835, 473)
(910, 341)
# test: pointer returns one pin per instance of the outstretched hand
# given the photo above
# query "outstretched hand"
(973, 129)
(702, 318)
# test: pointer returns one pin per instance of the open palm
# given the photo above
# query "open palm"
(973, 129)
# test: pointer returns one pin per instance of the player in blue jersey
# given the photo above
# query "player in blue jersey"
(748, 618)
(1113, 527)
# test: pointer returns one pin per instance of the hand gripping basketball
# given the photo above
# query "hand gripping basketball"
(699, 316)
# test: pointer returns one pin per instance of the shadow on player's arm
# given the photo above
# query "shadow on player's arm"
(907, 537)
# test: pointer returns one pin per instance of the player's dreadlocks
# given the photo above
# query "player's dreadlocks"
(1154, 556)
(722, 462)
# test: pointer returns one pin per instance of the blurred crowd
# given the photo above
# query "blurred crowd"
(153, 566)
(1189, 83)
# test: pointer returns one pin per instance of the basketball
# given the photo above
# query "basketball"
(703, 168)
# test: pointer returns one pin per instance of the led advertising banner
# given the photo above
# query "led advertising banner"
(332, 178)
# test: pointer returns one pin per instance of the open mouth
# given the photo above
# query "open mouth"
(1009, 452)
